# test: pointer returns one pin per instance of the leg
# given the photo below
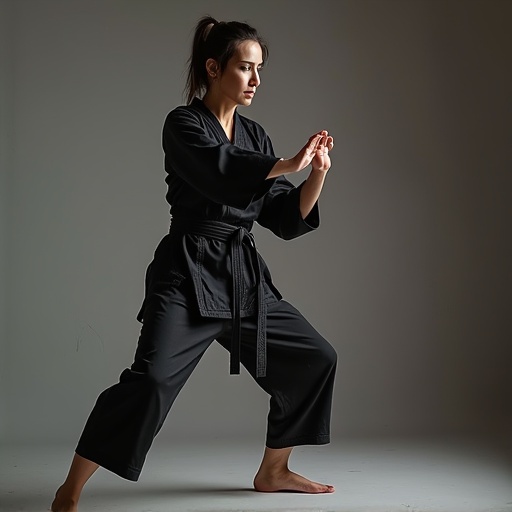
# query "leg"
(68, 494)
(128, 415)
(301, 367)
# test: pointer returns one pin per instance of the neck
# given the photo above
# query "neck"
(222, 109)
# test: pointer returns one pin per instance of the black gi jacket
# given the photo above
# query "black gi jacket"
(211, 178)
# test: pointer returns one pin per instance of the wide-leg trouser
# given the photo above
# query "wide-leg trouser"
(127, 416)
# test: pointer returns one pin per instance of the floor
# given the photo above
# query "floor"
(369, 475)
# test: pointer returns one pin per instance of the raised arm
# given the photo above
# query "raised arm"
(290, 211)
(320, 165)
(316, 153)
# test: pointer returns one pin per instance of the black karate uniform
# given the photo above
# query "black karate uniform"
(207, 282)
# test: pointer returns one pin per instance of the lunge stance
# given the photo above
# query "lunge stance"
(207, 281)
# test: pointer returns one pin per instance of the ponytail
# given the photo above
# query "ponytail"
(197, 79)
(219, 41)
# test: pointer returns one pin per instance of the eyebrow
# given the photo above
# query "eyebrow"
(252, 63)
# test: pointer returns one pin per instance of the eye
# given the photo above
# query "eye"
(245, 68)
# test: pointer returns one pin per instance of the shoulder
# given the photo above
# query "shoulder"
(183, 113)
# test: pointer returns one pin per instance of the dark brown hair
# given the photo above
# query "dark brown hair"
(219, 41)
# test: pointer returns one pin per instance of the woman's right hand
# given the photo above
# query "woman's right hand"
(303, 158)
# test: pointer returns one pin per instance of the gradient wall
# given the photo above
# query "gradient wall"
(409, 275)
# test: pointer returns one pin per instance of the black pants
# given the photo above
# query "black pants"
(127, 416)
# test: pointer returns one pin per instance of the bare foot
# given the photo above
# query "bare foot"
(63, 503)
(287, 480)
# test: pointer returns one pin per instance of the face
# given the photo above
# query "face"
(239, 81)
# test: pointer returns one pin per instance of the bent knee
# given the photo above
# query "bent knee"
(149, 377)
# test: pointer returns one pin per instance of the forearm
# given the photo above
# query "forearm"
(310, 191)
(282, 167)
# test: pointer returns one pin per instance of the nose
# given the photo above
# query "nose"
(255, 79)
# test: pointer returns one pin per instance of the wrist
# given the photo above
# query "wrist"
(317, 174)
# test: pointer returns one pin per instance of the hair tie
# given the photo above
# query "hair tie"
(207, 30)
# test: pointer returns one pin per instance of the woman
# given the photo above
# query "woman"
(207, 280)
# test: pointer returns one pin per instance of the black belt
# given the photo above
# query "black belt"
(235, 236)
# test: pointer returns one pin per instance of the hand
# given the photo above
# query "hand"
(321, 161)
(305, 156)
(315, 152)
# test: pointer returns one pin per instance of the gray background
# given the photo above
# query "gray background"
(409, 275)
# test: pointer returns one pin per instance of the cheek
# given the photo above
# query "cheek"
(238, 79)
(234, 81)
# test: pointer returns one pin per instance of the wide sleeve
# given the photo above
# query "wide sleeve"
(222, 172)
(281, 211)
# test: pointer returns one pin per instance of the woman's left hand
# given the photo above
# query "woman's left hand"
(321, 161)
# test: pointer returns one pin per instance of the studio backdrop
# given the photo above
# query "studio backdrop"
(408, 275)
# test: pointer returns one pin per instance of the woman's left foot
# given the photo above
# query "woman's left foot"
(288, 481)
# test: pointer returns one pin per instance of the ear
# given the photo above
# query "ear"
(212, 68)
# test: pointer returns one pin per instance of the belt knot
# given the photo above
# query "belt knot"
(235, 236)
